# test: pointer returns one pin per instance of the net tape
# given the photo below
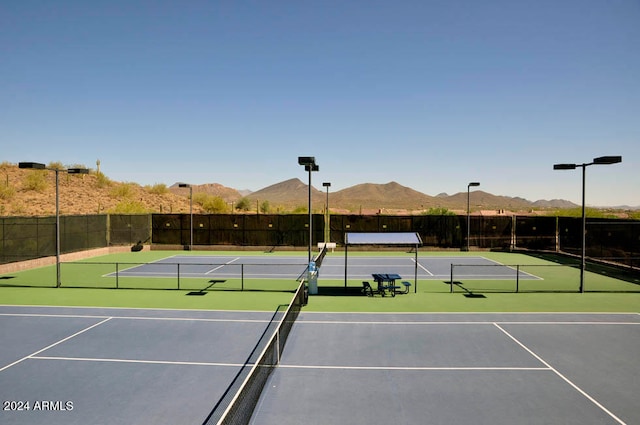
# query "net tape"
(241, 397)
(320, 257)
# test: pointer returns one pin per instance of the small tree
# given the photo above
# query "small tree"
(243, 204)
(265, 207)
(210, 204)
(439, 211)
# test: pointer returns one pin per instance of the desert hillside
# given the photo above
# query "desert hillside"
(32, 193)
(25, 192)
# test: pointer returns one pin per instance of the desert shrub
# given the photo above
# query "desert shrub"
(129, 207)
(300, 209)
(589, 212)
(157, 189)
(56, 165)
(7, 192)
(102, 180)
(36, 180)
(124, 190)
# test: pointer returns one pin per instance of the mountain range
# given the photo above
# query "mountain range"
(22, 194)
(368, 198)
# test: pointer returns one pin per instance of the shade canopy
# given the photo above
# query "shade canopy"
(383, 238)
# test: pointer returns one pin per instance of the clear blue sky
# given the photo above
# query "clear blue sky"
(430, 94)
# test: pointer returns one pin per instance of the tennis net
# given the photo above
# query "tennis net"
(320, 257)
(241, 397)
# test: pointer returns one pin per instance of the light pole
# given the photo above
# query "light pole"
(327, 228)
(190, 213)
(310, 165)
(472, 184)
(39, 166)
(602, 160)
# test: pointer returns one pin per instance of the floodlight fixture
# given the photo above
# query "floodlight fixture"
(601, 160)
(606, 160)
(306, 160)
(76, 170)
(473, 184)
(312, 167)
(564, 166)
(32, 165)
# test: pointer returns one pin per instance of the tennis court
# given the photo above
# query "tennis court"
(66, 365)
(471, 273)
(474, 369)
(224, 267)
(105, 365)
(85, 365)
(119, 366)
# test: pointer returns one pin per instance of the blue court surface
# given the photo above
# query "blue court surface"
(119, 366)
(220, 267)
(333, 267)
(471, 369)
(131, 366)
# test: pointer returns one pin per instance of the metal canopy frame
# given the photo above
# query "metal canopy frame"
(382, 238)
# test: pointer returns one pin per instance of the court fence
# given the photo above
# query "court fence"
(611, 240)
(30, 238)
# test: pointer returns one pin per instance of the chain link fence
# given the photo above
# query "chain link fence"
(24, 238)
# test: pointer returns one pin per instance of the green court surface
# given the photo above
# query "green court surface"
(553, 288)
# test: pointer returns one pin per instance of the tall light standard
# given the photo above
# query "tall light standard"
(602, 160)
(472, 184)
(327, 228)
(39, 166)
(310, 165)
(190, 213)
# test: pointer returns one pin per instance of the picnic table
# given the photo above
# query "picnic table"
(386, 282)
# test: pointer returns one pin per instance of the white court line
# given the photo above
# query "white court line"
(82, 307)
(54, 344)
(447, 368)
(567, 380)
(422, 267)
(457, 322)
(165, 362)
(177, 319)
(221, 266)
